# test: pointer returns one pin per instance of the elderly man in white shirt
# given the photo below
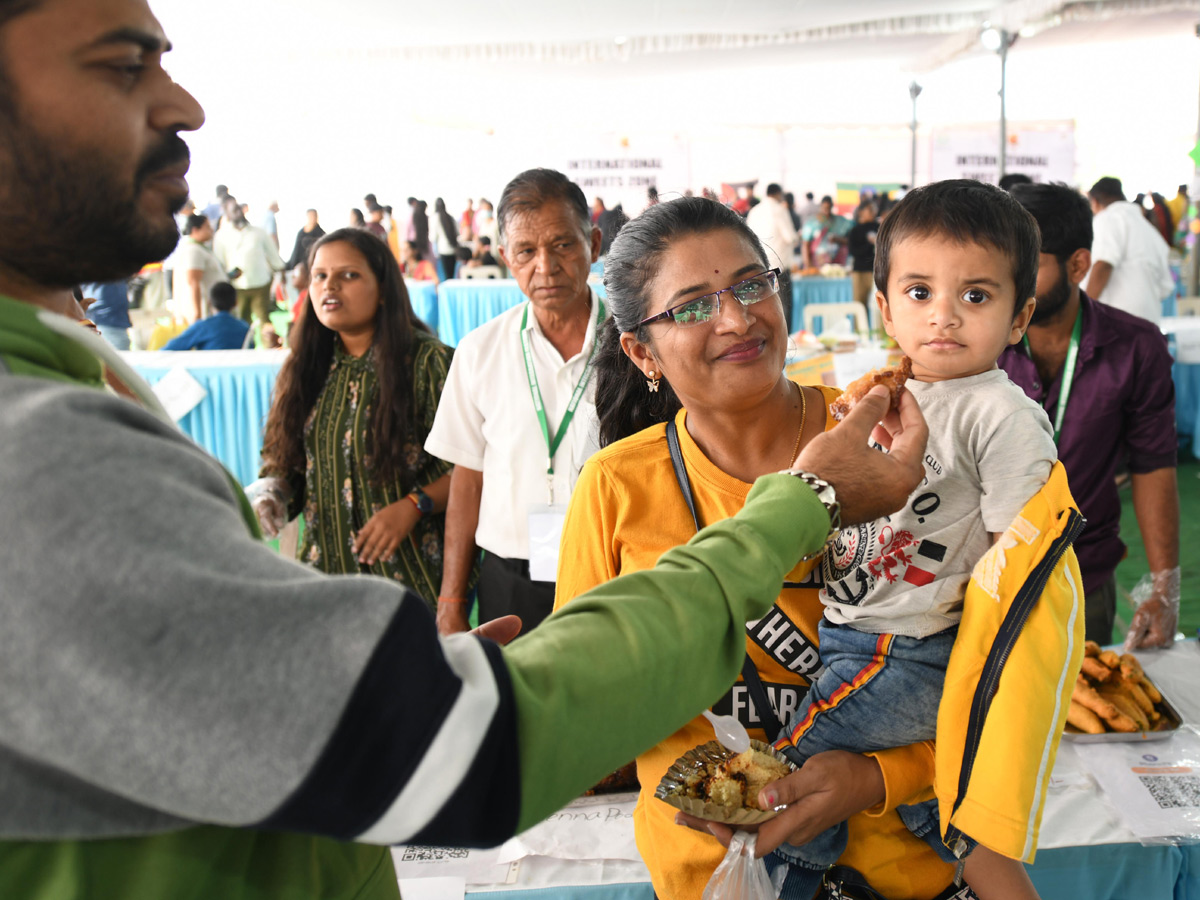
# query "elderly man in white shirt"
(1129, 257)
(772, 222)
(250, 259)
(517, 416)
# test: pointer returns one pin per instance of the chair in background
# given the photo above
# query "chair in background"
(480, 272)
(819, 317)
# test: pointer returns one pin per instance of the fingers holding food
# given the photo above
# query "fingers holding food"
(891, 377)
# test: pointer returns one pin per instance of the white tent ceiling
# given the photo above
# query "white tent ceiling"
(318, 100)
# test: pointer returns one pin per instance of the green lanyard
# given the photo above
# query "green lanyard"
(1068, 378)
(536, 392)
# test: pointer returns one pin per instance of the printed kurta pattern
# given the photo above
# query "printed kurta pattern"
(340, 494)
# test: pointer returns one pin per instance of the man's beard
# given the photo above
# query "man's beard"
(1053, 301)
(65, 218)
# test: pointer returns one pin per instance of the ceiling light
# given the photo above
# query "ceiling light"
(991, 39)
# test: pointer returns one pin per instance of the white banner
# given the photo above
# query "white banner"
(1044, 154)
(622, 173)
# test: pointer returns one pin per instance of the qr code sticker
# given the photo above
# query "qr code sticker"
(433, 854)
(1173, 791)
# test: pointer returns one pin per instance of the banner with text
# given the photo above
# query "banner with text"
(1043, 153)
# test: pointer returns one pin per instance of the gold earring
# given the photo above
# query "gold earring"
(652, 382)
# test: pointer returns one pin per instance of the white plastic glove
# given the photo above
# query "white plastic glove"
(1157, 614)
(269, 499)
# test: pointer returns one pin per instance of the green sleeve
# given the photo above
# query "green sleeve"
(631, 661)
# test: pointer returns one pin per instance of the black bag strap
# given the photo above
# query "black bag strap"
(766, 713)
(762, 703)
(681, 470)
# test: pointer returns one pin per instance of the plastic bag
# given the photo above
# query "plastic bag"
(1156, 597)
(740, 876)
(269, 499)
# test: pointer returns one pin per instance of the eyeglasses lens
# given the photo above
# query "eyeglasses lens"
(705, 309)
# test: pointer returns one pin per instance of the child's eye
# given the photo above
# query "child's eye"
(975, 296)
(918, 292)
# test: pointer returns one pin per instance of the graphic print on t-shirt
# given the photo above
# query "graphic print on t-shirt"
(878, 553)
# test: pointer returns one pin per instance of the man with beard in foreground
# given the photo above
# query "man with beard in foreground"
(1104, 379)
(186, 715)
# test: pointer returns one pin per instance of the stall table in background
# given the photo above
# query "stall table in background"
(228, 422)
(424, 298)
(813, 289)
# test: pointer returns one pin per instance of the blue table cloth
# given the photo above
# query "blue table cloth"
(817, 290)
(465, 304)
(229, 421)
(424, 298)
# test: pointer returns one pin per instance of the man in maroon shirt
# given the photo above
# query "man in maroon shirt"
(1104, 379)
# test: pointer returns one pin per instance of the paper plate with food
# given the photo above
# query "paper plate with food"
(712, 782)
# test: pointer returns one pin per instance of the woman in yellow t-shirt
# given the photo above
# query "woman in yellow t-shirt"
(699, 340)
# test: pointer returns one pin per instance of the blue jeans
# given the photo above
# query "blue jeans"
(117, 337)
(876, 691)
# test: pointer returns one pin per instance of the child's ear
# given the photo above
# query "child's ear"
(885, 312)
(1021, 321)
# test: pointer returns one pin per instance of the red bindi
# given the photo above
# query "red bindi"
(716, 271)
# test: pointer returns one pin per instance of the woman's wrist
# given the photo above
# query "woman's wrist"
(451, 600)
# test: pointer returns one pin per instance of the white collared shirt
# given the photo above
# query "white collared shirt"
(1141, 277)
(249, 249)
(486, 421)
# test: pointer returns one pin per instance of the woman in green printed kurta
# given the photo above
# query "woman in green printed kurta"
(354, 402)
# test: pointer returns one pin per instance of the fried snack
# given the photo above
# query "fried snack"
(1110, 659)
(1139, 697)
(891, 377)
(1096, 670)
(1130, 665)
(1125, 704)
(1084, 719)
(1091, 648)
(1148, 686)
(1121, 722)
(1085, 695)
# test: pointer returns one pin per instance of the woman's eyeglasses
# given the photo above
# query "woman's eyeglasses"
(701, 310)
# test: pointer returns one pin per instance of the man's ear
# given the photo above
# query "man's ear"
(1078, 264)
(597, 240)
(504, 257)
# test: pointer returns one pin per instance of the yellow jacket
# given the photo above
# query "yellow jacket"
(1010, 676)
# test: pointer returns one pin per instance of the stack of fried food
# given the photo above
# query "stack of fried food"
(1112, 693)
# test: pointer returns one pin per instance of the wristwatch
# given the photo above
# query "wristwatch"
(422, 501)
(827, 496)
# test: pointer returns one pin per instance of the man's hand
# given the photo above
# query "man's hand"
(870, 484)
(1157, 617)
(269, 499)
(452, 617)
(384, 531)
(501, 630)
(829, 788)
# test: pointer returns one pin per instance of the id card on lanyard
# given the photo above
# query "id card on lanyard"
(1068, 377)
(546, 521)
